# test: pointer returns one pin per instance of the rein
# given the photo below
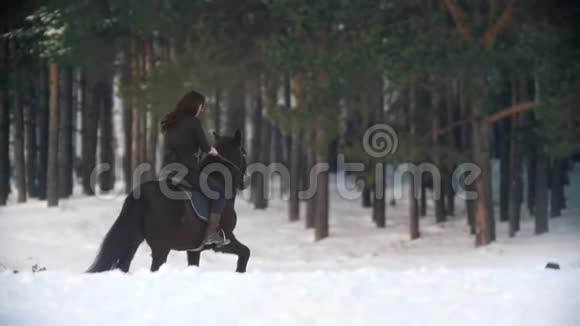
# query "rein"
(235, 166)
(230, 162)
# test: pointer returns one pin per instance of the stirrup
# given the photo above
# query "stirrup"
(225, 242)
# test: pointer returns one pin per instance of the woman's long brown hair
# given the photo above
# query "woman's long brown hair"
(189, 104)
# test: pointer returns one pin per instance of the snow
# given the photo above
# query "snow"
(359, 275)
(361, 297)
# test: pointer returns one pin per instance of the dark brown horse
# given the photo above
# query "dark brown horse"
(148, 214)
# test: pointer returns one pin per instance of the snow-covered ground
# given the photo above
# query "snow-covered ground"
(359, 275)
(362, 297)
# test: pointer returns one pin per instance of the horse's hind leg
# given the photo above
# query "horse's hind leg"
(159, 258)
(193, 258)
(125, 262)
(235, 247)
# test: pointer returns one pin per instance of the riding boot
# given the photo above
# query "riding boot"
(212, 235)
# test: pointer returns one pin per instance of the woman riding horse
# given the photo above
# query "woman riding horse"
(154, 213)
(184, 138)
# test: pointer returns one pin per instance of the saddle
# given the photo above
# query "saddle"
(200, 203)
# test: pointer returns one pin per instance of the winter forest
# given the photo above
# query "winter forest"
(398, 157)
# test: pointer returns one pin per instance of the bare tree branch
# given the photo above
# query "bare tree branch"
(508, 112)
(502, 21)
(500, 115)
(457, 15)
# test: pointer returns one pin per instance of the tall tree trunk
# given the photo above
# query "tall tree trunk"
(449, 194)
(136, 158)
(470, 210)
(413, 207)
(143, 141)
(290, 136)
(438, 202)
(261, 200)
(90, 122)
(141, 61)
(452, 145)
(483, 223)
(277, 143)
(541, 202)
(65, 134)
(277, 138)
(70, 130)
(236, 109)
(531, 177)
(127, 151)
(413, 212)
(152, 142)
(491, 210)
(217, 113)
(557, 186)
(321, 215)
(465, 145)
(19, 158)
(30, 127)
(565, 180)
(515, 166)
(466, 133)
(366, 196)
(423, 200)
(379, 214)
(524, 95)
(379, 206)
(151, 130)
(271, 88)
(257, 143)
(532, 148)
(52, 166)
(295, 166)
(107, 138)
(504, 187)
(76, 100)
(4, 132)
(42, 119)
(310, 202)
(4, 146)
(295, 153)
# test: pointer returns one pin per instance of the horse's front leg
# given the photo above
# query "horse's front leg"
(193, 258)
(235, 247)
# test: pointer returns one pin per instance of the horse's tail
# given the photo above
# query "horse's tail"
(123, 239)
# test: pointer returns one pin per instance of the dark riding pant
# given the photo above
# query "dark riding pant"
(217, 203)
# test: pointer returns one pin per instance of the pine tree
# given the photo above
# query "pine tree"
(257, 142)
(541, 202)
(43, 118)
(413, 204)
(66, 132)
(321, 199)
(4, 146)
(297, 165)
(53, 130)
(92, 95)
(19, 141)
(107, 138)
(30, 127)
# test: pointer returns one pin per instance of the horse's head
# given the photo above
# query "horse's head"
(233, 155)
